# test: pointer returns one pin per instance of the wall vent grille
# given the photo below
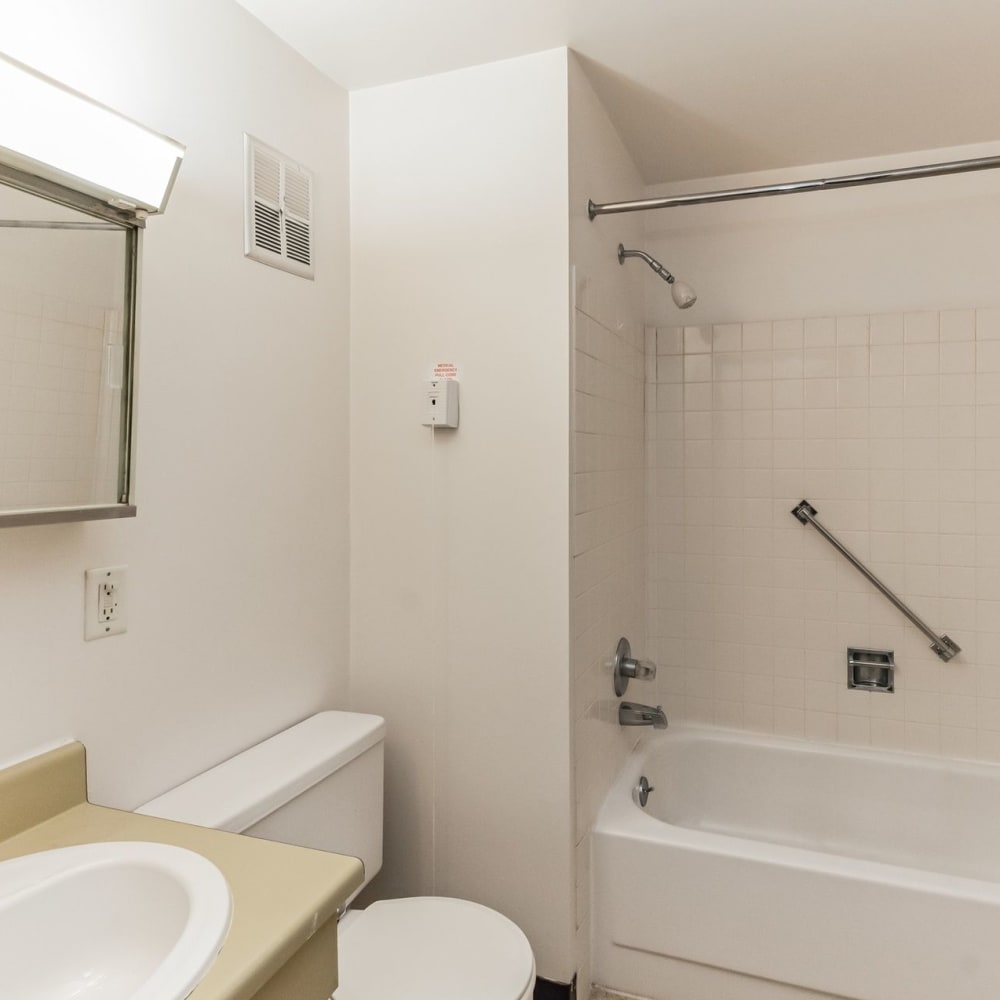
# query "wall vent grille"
(279, 227)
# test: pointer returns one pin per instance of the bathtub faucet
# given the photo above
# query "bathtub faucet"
(631, 714)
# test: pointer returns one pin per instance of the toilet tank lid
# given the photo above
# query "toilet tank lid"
(243, 790)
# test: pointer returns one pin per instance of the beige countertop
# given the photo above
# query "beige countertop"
(281, 894)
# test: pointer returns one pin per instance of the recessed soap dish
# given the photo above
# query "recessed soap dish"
(871, 669)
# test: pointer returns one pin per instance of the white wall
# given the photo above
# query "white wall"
(238, 576)
(844, 349)
(608, 583)
(460, 540)
(918, 244)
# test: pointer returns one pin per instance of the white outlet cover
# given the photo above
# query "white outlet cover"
(94, 625)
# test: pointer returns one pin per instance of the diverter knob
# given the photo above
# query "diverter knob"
(626, 667)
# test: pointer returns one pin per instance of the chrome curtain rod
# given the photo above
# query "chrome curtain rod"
(39, 224)
(944, 647)
(795, 187)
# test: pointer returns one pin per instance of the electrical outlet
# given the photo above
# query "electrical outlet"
(104, 602)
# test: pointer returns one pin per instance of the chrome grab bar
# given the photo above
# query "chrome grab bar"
(945, 647)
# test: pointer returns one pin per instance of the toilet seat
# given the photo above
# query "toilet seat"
(432, 948)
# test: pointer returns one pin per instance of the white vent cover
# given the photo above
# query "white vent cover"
(278, 227)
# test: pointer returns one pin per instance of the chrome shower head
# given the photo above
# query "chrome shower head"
(682, 293)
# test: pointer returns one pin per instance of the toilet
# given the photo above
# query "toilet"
(319, 785)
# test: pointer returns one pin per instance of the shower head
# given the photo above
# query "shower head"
(683, 294)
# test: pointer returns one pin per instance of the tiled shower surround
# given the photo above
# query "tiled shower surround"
(890, 426)
(608, 576)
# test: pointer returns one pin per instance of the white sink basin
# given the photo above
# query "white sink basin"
(115, 921)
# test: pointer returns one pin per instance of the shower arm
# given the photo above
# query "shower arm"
(651, 261)
(945, 647)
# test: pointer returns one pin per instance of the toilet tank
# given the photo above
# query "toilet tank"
(318, 784)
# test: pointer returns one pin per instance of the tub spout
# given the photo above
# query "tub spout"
(631, 714)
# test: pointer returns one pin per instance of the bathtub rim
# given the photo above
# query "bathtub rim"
(619, 816)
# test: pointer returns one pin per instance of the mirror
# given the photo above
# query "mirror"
(77, 182)
(67, 293)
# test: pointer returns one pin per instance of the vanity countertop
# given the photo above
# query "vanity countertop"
(282, 895)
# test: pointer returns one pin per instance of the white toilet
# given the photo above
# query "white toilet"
(319, 785)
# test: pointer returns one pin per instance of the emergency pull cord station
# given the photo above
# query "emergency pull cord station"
(441, 409)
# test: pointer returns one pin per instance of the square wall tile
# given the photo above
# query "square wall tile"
(788, 334)
(988, 324)
(957, 325)
(727, 337)
(697, 339)
(820, 332)
(852, 331)
(757, 337)
(921, 328)
(886, 329)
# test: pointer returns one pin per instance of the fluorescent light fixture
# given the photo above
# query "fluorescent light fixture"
(55, 133)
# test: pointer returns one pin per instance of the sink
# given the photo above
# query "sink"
(112, 921)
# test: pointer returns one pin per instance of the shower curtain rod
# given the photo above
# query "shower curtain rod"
(794, 187)
(40, 224)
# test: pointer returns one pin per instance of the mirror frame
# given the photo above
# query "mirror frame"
(132, 224)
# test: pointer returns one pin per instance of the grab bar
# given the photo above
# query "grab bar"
(945, 647)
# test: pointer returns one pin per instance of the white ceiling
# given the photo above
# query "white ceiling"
(700, 88)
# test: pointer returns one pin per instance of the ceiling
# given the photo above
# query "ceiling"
(700, 88)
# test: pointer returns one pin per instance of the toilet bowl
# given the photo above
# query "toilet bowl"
(441, 949)
(319, 785)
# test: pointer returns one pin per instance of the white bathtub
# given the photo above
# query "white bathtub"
(855, 873)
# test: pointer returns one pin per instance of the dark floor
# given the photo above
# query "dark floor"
(546, 990)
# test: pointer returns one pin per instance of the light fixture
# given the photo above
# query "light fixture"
(62, 136)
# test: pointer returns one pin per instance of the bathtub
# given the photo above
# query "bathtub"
(764, 867)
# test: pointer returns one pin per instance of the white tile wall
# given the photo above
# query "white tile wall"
(608, 573)
(608, 542)
(607, 469)
(890, 426)
(51, 381)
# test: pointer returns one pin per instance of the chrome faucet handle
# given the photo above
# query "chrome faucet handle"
(626, 667)
(639, 669)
